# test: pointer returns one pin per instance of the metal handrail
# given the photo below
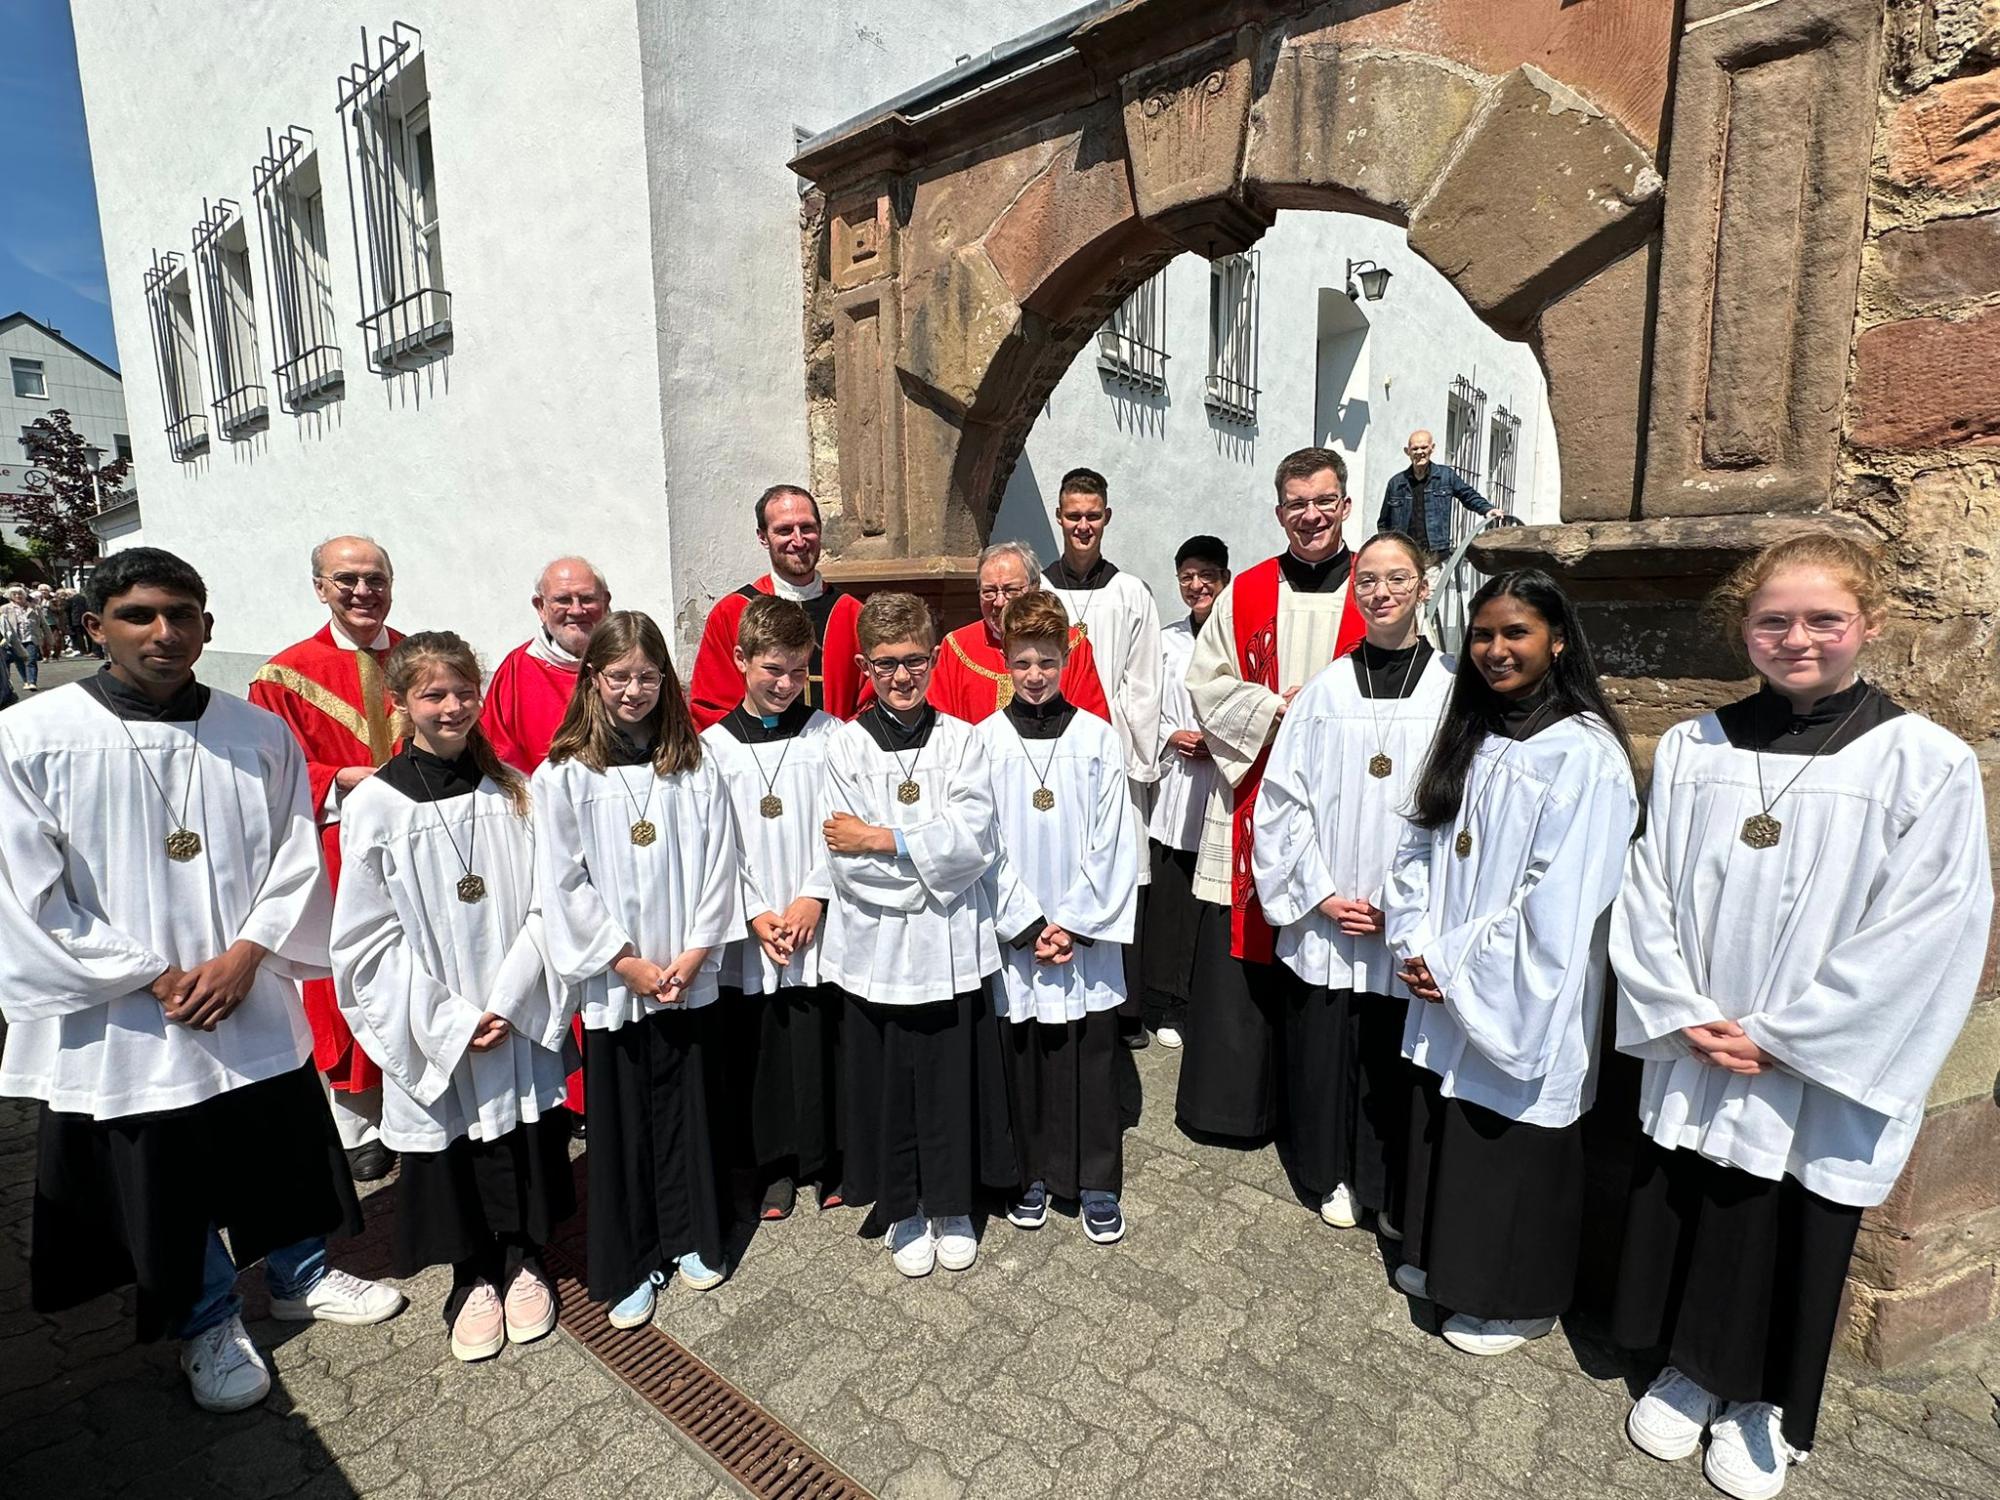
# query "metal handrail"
(1449, 588)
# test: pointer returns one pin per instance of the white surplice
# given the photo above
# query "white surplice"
(600, 891)
(1514, 934)
(1122, 624)
(1850, 952)
(1180, 796)
(1325, 827)
(92, 910)
(910, 930)
(782, 858)
(1077, 864)
(415, 968)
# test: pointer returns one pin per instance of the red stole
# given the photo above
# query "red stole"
(1254, 614)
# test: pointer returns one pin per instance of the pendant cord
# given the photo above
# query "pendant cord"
(909, 775)
(1368, 696)
(194, 766)
(641, 808)
(1757, 754)
(771, 781)
(1042, 772)
(471, 833)
(1480, 801)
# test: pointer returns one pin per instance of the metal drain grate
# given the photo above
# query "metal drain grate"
(753, 1447)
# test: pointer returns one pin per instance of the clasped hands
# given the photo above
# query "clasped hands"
(781, 936)
(663, 983)
(201, 997)
(1725, 1045)
(1054, 945)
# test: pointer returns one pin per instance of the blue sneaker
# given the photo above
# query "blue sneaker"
(1031, 1209)
(1103, 1220)
(696, 1273)
(636, 1310)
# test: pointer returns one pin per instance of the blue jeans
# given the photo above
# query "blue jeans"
(290, 1272)
(24, 659)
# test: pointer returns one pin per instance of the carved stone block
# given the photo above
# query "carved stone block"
(862, 242)
(868, 404)
(1186, 119)
(1593, 349)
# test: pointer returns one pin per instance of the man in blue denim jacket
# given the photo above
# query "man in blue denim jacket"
(1438, 485)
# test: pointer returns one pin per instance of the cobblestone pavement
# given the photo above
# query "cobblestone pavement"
(1232, 1346)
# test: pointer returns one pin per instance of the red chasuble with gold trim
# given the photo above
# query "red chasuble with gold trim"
(970, 681)
(1255, 618)
(525, 704)
(331, 697)
(715, 686)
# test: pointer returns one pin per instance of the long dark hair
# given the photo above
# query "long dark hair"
(1474, 710)
(587, 726)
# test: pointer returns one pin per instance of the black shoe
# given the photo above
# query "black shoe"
(1138, 1040)
(576, 1130)
(371, 1161)
(778, 1200)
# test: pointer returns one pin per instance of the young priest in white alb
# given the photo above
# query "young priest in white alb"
(1329, 821)
(908, 820)
(161, 898)
(641, 890)
(784, 1023)
(1798, 941)
(441, 971)
(1497, 908)
(1068, 879)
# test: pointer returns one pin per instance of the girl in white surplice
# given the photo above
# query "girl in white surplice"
(1797, 944)
(1497, 908)
(442, 974)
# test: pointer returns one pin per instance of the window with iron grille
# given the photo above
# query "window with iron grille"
(1502, 446)
(1132, 345)
(392, 189)
(229, 319)
(1232, 337)
(1464, 429)
(291, 217)
(170, 313)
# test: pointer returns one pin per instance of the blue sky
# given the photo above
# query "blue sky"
(51, 252)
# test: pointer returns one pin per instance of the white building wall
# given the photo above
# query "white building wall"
(539, 434)
(1176, 469)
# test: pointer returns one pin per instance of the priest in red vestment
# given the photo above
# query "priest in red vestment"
(530, 692)
(970, 680)
(329, 691)
(788, 529)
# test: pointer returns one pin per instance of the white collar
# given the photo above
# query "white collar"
(792, 591)
(380, 643)
(545, 647)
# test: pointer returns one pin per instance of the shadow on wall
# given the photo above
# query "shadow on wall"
(1342, 410)
(1133, 410)
(1027, 515)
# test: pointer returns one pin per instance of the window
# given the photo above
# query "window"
(1132, 344)
(292, 215)
(29, 382)
(1464, 426)
(1232, 337)
(170, 311)
(1503, 443)
(122, 446)
(392, 187)
(229, 316)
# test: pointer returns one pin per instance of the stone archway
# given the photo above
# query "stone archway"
(1673, 200)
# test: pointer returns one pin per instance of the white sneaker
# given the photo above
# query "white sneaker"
(956, 1246)
(224, 1370)
(1412, 1282)
(1670, 1418)
(1747, 1452)
(338, 1297)
(1337, 1208)
(1493, 1335)
(911, 1245)
(1168, 1037)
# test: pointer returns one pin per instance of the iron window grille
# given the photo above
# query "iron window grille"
(1464, 427)
(1232, 337)
(170, 313)
(1132, 344)
(298, 284)
(392, 189)
(1503, 445)
(229, 320)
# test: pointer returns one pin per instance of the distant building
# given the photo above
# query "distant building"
(40, 372)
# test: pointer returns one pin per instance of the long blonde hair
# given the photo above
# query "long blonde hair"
(587, 725)
(410, 665)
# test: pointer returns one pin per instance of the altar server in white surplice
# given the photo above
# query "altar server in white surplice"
(161, 900)
(1070, 862)
(442, 975)
(784, 1022)
(641, 891)
(1797, 944)
(909, 937)
(1496, 908)
(1329, 821)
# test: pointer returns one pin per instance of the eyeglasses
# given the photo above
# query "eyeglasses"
(619, 681)
(1327, 506)
(1820, 625)
(1199, 575)
(350, 583)
(990, 592)
(886, 667)
(1392, 583)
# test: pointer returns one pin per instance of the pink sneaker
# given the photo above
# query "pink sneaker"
(531, 1308)
(480, 1329)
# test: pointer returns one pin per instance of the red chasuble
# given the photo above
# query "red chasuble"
(1255, 617)
(716, 686)
(331, 698)
(971, 683)
(525, 704)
